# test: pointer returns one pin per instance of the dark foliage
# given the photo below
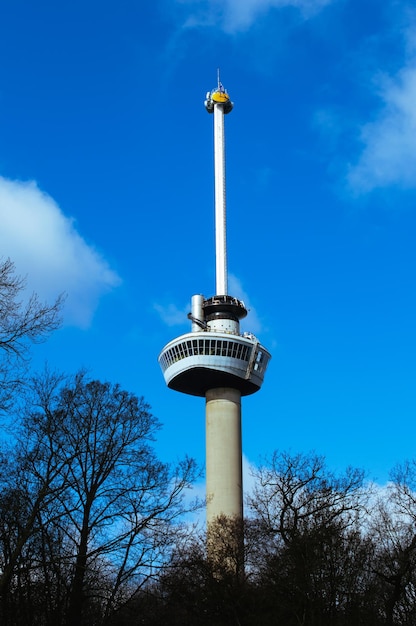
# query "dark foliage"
(321, 550)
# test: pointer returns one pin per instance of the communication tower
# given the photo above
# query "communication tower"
(215, 360)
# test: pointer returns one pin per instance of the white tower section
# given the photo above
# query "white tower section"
(220, 202)
(214, 360)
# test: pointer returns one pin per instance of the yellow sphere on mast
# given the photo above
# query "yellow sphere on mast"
(219, 95)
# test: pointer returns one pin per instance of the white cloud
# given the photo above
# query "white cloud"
(171, 315)
(389, 153)
(252, 321)
(239, 15)
(47, 249)
(249, 478)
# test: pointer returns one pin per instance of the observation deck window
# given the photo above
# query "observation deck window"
(211, 347)
(260, 362)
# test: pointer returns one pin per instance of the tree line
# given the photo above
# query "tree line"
(320, 550)
(96, 530)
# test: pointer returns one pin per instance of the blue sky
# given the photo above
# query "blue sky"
(106, 193)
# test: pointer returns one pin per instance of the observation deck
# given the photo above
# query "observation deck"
(198, 361)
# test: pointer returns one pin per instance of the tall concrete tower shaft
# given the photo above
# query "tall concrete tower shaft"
(215, 360)
(224, 478)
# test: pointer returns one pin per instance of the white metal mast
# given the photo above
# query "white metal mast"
(219, 103)
(220, 202)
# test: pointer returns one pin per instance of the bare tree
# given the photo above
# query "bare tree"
(22, 323)
(393, 527)
(294, 492)
(309, 544)
(194, 588)
(33, 473)
(100, 505)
